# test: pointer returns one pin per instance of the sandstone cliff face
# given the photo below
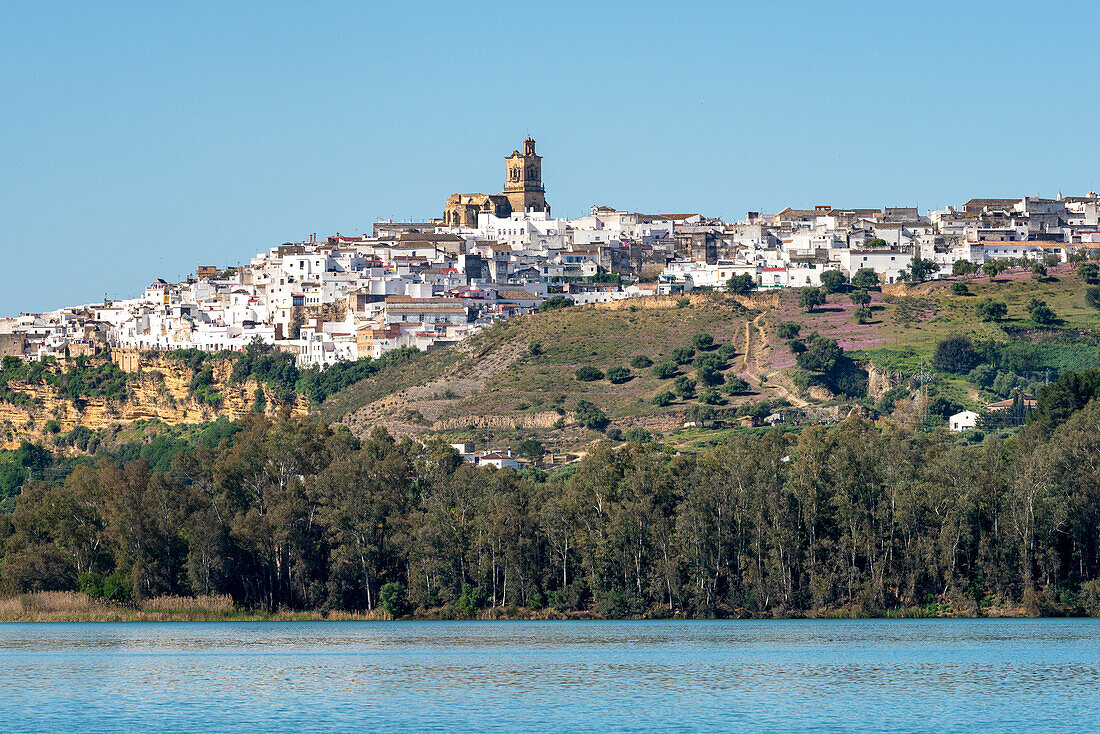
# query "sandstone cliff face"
(158, 388)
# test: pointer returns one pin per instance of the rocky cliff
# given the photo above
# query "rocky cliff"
(157, 387)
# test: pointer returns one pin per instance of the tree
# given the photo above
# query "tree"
(684, 386)
(662, 399)
(391, 597)
(530, 449)
(590, 416)
(637, 434)
(787, 330)
(588, 374)
(1038, 270)
(920, 269)
(809, 298)
(943, 407)
(736, 385)
(710, 396)
(1089, 272)
(701, 414)
(555, 302)
(1041, 313)
(833, 280)
(860, 297)
(618, 375)
(991, 268)
(865, 279)
(1092, 296)
(702, 341)
(963, 267)
(821, 354)
(875, 242)
(955, 354)
(960, 289)
(863, 314)
(989, 309)
(741, 284)
(682, 355)
(665, 370)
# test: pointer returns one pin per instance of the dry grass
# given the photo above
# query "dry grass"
(71, 606)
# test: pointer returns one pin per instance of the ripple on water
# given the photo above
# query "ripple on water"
(911, 675)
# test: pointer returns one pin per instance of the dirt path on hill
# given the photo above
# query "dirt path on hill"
(415, 409)
(757, 364)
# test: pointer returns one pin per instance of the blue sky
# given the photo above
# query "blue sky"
(140, 140)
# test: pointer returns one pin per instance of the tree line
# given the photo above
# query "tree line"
(860, 517)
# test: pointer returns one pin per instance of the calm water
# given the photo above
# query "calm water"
(935, 676)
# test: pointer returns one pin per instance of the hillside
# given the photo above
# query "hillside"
(518, 379)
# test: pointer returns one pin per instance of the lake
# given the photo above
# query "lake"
(907, 675)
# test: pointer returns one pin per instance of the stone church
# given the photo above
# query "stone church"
(523, 192)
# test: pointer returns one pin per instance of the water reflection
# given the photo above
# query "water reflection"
(558, 676)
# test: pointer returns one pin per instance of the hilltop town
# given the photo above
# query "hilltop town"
(492, 256)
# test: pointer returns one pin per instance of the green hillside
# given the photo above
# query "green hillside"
(520, 380)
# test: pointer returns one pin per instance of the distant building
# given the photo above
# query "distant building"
(963, 421)
(523, 192)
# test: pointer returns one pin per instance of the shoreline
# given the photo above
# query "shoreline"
(77, 608)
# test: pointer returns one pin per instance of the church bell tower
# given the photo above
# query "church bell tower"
(523, 182)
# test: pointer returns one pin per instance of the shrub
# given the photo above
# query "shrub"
(810, 298)
(530, 449)
(665, 370)
(590, 415)
(983, 375)
(710, 396)
(863, 314)
(614, 434)
(662, 399)
(618, 375)
(637, 434)
(727, 352)
(1092, 296)
(555, 302)
(960, 289)
(391, 597)
(736, 385)
(682, 355)
(684, 386)
(989, 309)
(787, 330)
(1041, 313)
(1089, 272)
(641, 362)
(468, 601)
(833, 280)
(702, 341)
(955, 354)
(701, 414)
(535, 349)
(709, 375)
(588, 374)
